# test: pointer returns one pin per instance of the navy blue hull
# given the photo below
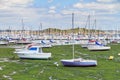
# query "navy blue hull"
(78, 64)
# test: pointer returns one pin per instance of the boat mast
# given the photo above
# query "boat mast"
(23, 30)
(40, 29)
(73, 32)
(89, 30)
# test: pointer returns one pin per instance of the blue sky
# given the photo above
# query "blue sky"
(57, 13)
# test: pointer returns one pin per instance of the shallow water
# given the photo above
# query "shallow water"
(8, 60)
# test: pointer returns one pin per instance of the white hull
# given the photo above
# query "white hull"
(34, 55)
(3, 43)
(99, 48)
(46, 45)
(86, 45)
(23, 42)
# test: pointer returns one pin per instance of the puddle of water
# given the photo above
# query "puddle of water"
(8, 60)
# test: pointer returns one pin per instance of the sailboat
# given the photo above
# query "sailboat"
(98, 44)
(23, 39)
(77, 62)
(90, 41)
(98, 47)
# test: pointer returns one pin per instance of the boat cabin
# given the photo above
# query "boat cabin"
(36, 49)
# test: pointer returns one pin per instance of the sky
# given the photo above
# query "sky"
(42, 14)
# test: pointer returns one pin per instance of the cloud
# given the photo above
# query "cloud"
(12, 8)
(13, 17)
(75, 11)
(97, 6)
(52, 9)
(106, 1)
(49, 1)
(13, 11)
(4, 4)
(81, 0)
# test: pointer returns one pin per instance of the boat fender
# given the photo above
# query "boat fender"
(111, 57)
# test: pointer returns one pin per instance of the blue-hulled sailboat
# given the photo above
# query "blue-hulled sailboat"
(77, 62)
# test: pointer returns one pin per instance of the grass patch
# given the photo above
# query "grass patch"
(47, 70)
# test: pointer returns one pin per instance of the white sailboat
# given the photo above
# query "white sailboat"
(98, 47)
(89, 38)
(77, 62)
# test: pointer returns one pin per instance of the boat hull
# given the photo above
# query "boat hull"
(34, 55)
(84, 63)
(98, 48)
(86, 45)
